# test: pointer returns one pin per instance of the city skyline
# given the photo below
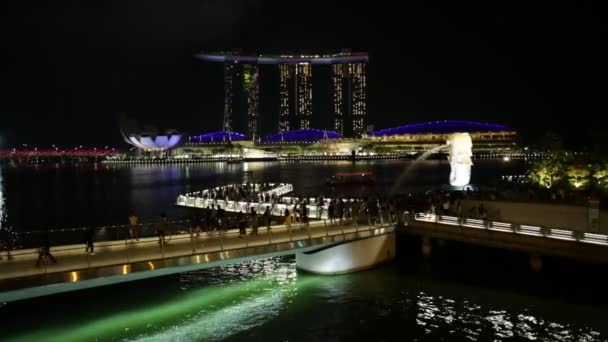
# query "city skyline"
(72, 72)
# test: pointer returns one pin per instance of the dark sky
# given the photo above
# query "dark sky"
(72, 67)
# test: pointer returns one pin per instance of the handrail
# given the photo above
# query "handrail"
(121, 252)
(550, 233)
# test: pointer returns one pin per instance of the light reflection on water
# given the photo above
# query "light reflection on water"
(7, 234)
(270, 300)
(475, 322)
(217, 321)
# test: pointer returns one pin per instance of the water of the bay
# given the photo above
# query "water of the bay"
(455, 297)
(55, 196)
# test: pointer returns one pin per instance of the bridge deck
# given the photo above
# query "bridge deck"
(122, 258)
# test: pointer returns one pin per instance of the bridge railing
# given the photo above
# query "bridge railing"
(523, 229)
(277, 189)
(59, 236)
(276, 209)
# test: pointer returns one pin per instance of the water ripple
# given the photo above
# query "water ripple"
(475, 323)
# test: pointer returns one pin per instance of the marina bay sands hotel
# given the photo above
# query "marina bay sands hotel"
(242, 90)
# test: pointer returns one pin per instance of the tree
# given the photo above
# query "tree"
(579, 176)
(547, 172)
(600, 174)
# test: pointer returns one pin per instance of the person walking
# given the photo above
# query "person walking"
(44, 253)
(195, 224)
(88, 241)
(133, 221)
(267, 218)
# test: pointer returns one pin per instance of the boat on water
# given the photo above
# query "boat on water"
(356, 178)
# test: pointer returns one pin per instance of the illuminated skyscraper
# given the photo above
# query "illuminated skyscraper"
(338, 96)
(358, 94)
(304, 95)
(349, 98)
(229, 68)
(295, 103)
(251, 87)
(286, 73)
(241, 97)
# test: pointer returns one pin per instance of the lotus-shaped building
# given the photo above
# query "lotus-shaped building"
(158, 143)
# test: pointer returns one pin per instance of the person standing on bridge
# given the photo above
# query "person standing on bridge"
(287, 218)
(242, 223)
(254, 222)
(133, 221)
(330, 212)
(304, 214)
(267, 218)
(163, 226)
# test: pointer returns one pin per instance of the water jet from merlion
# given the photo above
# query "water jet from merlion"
(460, 148)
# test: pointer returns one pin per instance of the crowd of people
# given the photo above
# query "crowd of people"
(299, 210)
(247, 192)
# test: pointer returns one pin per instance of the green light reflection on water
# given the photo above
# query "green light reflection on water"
(210, 312)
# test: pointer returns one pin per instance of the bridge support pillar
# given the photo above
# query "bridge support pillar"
(349, 256)
(536, 263)
(427, 247)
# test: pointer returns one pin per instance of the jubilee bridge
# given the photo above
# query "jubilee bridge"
(319, 246)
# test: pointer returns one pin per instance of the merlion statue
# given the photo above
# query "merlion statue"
(460, 152)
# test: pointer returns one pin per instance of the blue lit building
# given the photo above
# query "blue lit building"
(217, 137)
(302, 136)
(442, 127)
(422, 136)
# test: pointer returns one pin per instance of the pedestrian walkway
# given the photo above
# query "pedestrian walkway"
(114, 258)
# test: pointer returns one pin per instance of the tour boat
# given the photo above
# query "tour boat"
(351, 178)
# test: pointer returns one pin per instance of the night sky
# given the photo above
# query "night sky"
(74, 67)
